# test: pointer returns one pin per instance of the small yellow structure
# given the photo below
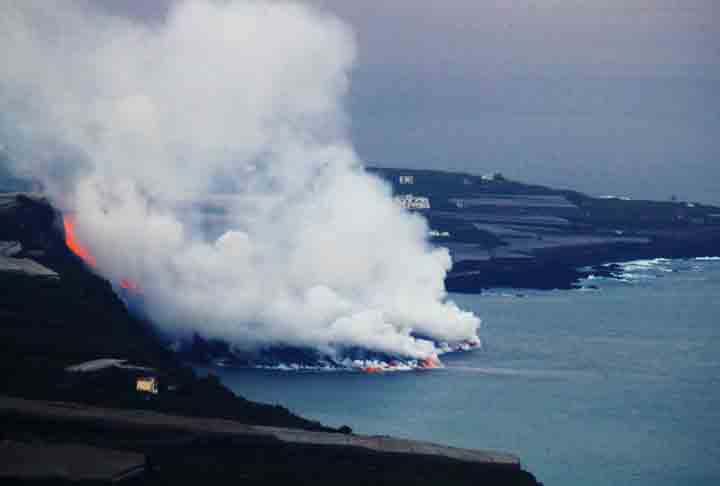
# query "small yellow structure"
(147, 384)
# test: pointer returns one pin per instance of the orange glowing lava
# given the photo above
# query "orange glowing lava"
(372, 369)
(129, 285)
(430, 362)
(72, 242)
(83, 253)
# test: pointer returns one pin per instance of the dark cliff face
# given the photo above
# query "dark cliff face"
(503, 233)
(31, 220)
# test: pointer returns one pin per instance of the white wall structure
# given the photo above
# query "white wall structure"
(408, 201)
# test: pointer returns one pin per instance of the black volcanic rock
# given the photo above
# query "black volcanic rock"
(31, 220)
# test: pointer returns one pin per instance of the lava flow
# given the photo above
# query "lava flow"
(374, 366)
(84, 254)
(431, 362)
(128, 284)
(72, 242)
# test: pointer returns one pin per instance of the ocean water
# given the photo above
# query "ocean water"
(607, 386)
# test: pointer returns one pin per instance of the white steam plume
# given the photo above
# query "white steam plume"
(126, 123)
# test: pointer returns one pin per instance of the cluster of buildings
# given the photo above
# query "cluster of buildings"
(409, 201)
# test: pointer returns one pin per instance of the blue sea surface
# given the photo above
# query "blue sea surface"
(607, 386)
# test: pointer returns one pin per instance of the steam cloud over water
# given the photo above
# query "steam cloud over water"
(240, 105)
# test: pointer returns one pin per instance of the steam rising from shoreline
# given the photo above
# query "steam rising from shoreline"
(240, 104)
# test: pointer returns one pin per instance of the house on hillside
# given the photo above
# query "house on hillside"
(111, 375)
(147, 384)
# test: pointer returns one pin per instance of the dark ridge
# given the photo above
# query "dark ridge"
(186, 451)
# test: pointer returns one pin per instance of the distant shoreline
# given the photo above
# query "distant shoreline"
(544, 276)
(508, 234)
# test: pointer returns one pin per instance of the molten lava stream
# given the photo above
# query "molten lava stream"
(431, 362)
(372, 369)
(130, 285)
(83, 253)
(72, 242)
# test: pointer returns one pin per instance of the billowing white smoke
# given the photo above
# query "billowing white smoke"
(243, 99)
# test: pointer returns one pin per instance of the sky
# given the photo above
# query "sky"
(614, 97)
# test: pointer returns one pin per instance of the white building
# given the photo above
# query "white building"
(492, 176)
(408, 201)
(147, 384)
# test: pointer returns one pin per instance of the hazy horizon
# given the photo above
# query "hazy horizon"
(613, 97)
